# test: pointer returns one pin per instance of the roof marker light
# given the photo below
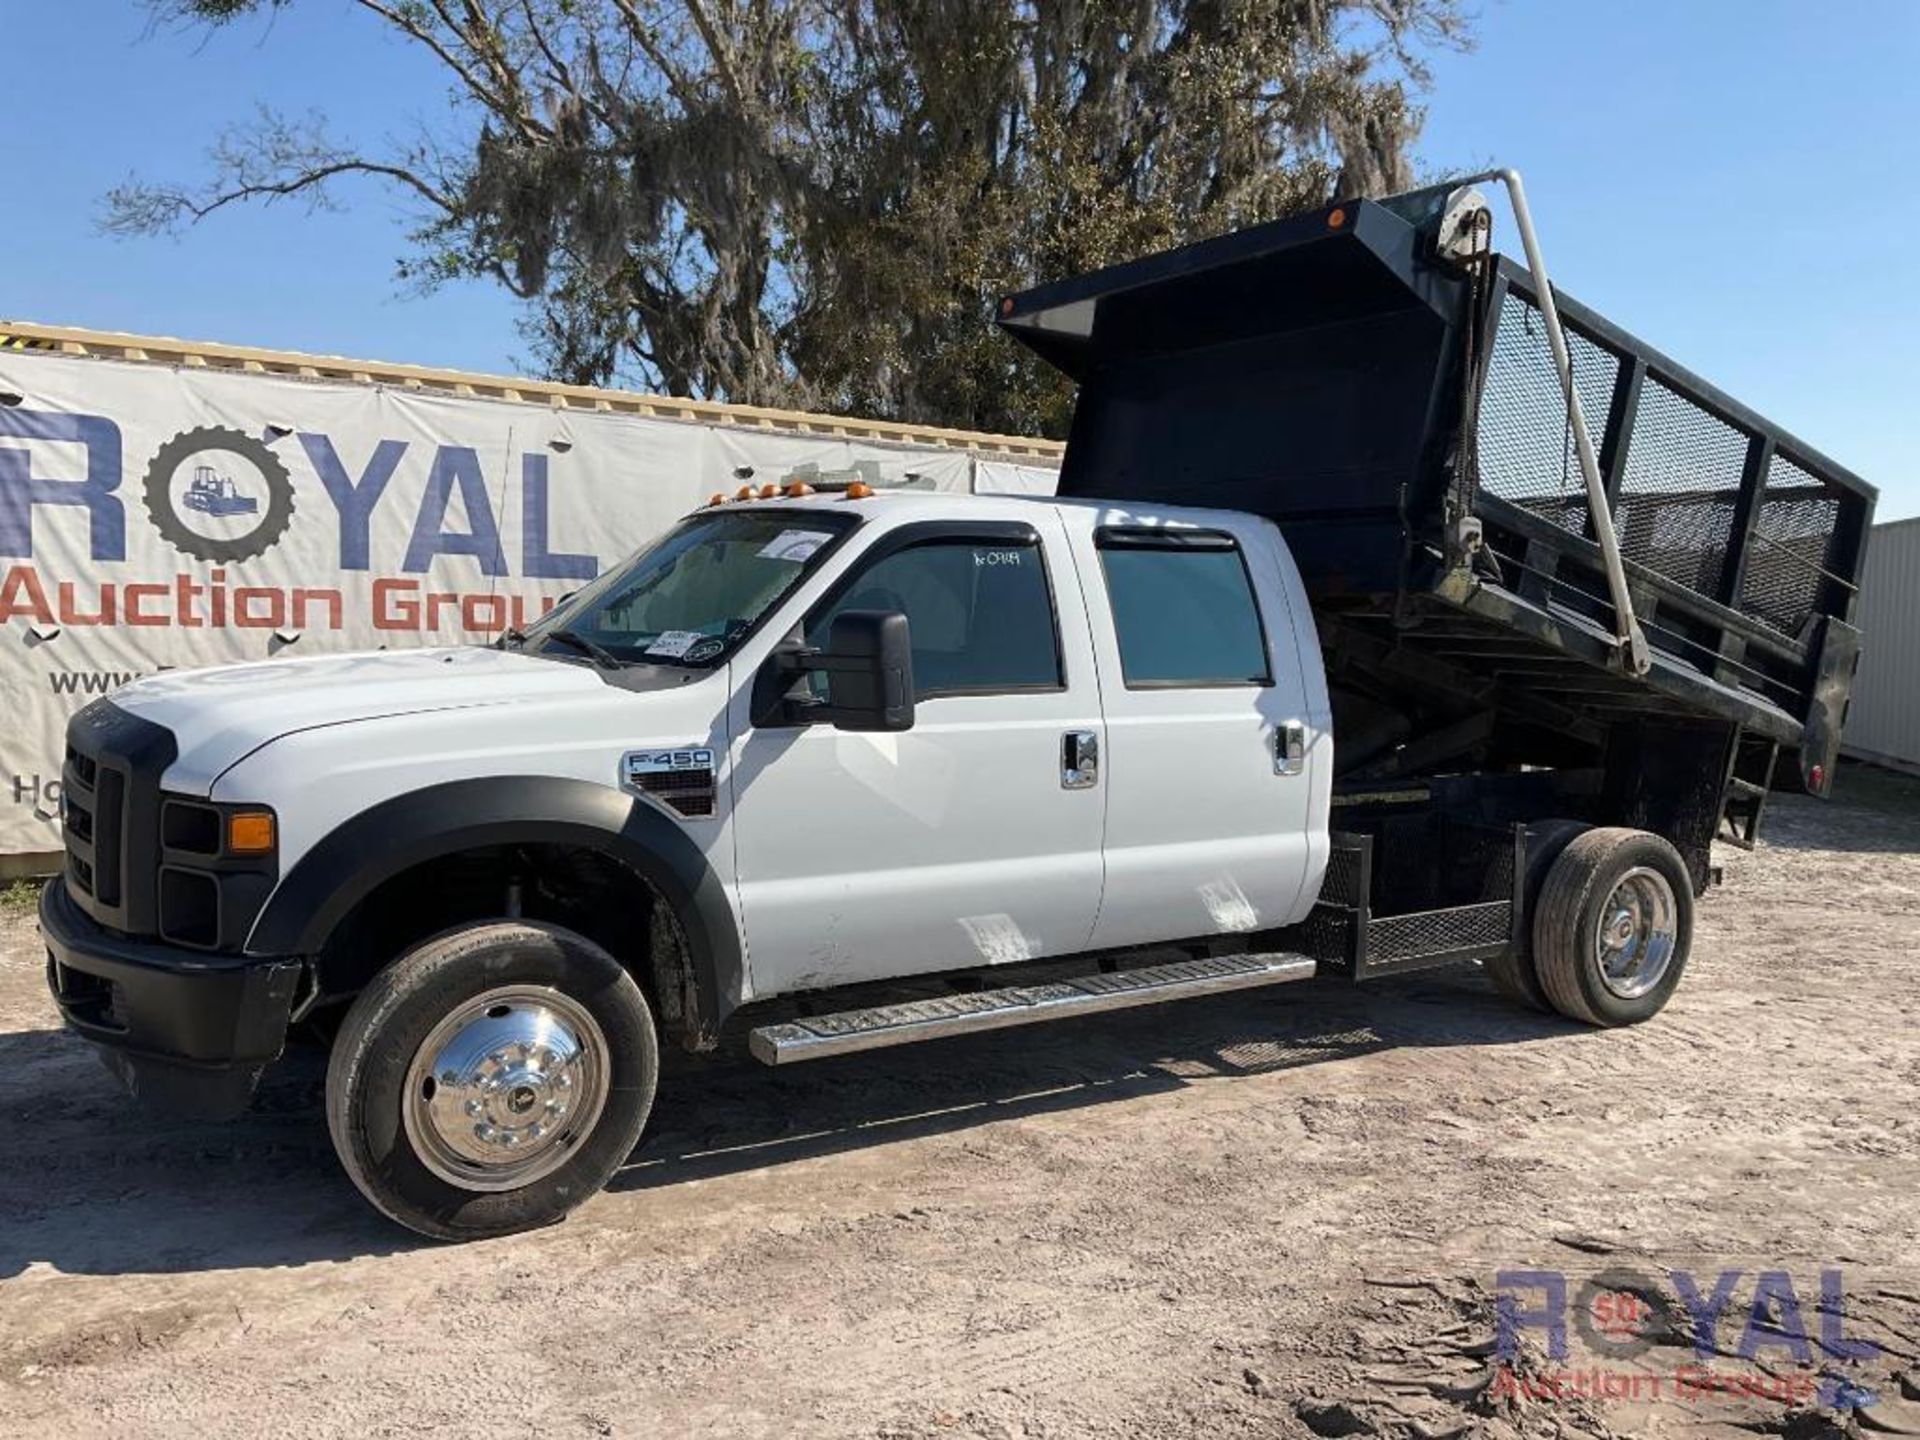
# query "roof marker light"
(859, 490)
(745, 492)
(797, 489)
(719, 497)
(1336, 217)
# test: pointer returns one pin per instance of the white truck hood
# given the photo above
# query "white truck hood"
(220, 715)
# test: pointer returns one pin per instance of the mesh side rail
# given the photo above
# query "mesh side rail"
(1439, 932)
(1697, 499)
(1703, 656)
(1794, 530)
(1526, 448)
(1679, 490)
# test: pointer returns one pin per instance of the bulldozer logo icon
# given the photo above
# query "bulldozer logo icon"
(218, 494)
(215, 494)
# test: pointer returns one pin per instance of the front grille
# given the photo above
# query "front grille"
(78, 802)
(143, 862)
(109, 828)
(111, 821)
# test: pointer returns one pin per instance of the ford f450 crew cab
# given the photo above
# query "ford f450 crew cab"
(1404, 686)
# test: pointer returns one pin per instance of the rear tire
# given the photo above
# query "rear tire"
(1512, 970)
(1613, 927)
(491, 1079)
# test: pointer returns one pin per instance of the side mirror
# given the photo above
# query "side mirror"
(868, 663)
(870, 671)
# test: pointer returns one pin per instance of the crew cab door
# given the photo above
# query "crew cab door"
(963, 840)
(1216, 800)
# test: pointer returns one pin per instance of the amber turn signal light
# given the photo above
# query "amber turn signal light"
(250, 832)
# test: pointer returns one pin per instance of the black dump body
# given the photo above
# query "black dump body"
(1336, 373)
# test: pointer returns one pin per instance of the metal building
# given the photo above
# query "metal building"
(1884, 723)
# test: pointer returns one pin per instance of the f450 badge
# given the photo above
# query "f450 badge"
(680, 777)
(661, 762)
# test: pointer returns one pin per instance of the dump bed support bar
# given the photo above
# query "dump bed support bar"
(1633, 641)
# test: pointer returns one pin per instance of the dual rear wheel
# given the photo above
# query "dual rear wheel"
(1611, 925)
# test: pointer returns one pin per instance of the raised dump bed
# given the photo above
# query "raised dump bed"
(1379, 382)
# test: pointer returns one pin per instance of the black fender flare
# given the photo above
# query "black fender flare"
(350, 861)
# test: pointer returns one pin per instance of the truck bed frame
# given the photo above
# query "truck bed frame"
(1380, 383)
(1395, 409)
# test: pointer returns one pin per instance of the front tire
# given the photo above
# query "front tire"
(491, 1079)
(1613, 927)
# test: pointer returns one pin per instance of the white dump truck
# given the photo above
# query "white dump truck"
(1329, 660)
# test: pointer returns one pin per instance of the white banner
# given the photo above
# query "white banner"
(155, 517)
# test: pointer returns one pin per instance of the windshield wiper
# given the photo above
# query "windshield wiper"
(599, 653)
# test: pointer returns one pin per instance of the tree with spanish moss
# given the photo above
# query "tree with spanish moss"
(815, 203)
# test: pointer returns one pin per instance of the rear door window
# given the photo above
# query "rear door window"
(1183, 609)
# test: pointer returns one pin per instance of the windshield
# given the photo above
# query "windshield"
(693, 594)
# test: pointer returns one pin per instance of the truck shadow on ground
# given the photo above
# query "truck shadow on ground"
(730, 1114)
(100, 1186)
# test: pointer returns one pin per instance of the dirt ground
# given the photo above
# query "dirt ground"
(1278, 1215)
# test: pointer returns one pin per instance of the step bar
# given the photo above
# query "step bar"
(815, 1037)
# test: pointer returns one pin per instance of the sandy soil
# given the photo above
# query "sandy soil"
(1279, 1215)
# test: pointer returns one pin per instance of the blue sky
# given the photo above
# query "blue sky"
(1731, 179)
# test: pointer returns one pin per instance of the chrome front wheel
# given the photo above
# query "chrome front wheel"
(491, 1078)
(504, 1087)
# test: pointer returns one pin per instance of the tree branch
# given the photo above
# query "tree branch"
(165, 208)
(275, 160)
(513, 114)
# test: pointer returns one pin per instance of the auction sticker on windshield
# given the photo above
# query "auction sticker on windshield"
(794, 545)
(674, 644)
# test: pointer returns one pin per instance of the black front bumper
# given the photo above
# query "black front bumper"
(189, 1029)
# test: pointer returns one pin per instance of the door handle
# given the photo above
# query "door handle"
(1079, 760)
(1289, 748)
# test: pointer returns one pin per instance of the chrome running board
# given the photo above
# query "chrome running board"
(817, 1036)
